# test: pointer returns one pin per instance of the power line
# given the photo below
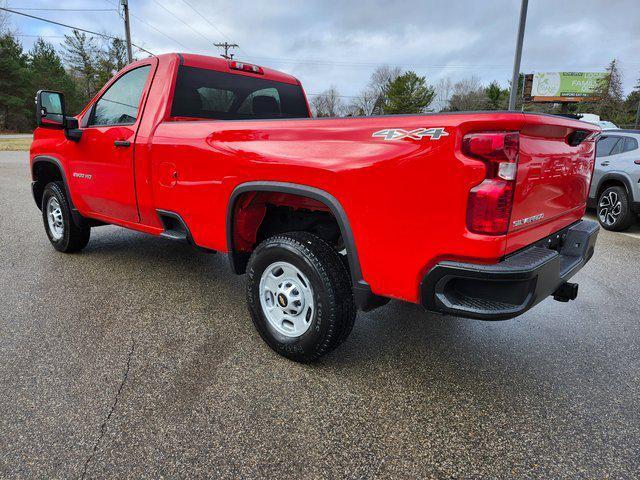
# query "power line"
(104, 35)
(341, 96)
(339, 63)
(213, 26)
(158, 30)
(175, 16)
(65, 9)
(153, 27)
(40, 36)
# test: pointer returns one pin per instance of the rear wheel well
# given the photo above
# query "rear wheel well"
(258, 215)
(43, 174)
(611, 182)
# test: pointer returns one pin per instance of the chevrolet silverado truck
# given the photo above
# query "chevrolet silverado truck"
(475, 215)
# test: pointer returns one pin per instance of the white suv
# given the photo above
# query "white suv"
(615, 191)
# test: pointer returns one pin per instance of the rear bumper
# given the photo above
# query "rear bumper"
(511, 287)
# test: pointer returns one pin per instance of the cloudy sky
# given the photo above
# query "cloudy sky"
(339, 43)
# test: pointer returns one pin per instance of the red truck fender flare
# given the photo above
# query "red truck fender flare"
(39, 159)
(364, 298)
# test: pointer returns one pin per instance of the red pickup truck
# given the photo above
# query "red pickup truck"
(475, 215)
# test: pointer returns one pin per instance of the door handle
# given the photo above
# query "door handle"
(122, 143)
(604, 164)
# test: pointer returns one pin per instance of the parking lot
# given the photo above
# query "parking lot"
(137, 358)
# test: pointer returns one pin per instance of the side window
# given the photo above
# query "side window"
(606, 146)
(617, 148)
(630, 144)
(119, 104)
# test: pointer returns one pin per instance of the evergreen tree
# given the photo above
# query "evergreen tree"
(80, 54)
(48, 73)
(610, 104)
(497, 98)
(112, 58)
(15, 88)
(631, 107)
(408, 93)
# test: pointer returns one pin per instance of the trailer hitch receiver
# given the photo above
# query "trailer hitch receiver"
(565, 292)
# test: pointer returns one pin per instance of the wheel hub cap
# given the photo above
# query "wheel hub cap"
(54, 218)
(609, 208)
(286, 299)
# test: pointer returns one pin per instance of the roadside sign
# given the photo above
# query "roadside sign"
(562, 86)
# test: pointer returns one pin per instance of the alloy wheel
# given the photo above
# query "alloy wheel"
(609, 208)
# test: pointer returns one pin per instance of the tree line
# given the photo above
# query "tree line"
(83, 64)
(81, 67)
(392, 91)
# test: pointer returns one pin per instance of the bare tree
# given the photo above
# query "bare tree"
(380, 80)
(382, 76)
(363, 104)
(328, 103)
(468, 94)
(444, 89)
(5, 23)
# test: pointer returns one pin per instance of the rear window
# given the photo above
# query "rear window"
(202, 93)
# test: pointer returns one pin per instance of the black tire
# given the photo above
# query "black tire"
(74, 236)
(614, 211)
(334, 310)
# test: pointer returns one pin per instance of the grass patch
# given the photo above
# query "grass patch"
(14, 144)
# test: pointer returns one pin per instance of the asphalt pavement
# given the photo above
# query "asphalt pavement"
(137, 359)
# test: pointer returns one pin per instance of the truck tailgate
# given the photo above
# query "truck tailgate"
(553, 177)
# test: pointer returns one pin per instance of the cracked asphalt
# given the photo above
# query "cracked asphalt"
(137, 359)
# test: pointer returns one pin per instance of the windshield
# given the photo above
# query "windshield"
(202, 93)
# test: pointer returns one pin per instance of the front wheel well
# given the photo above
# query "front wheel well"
(43, 173)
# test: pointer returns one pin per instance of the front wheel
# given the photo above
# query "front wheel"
(614, 210)
(299, 295)
(64, 233)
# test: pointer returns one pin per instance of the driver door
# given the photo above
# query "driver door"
(102, 170)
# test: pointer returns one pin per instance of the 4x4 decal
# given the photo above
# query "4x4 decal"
(417, 134)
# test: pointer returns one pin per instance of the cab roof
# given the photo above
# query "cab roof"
(222, 65)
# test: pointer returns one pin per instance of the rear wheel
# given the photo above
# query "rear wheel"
(614, 210)
(64, 233)
(299, 295)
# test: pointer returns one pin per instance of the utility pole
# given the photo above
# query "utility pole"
(127, 30)
(515, 80)
(226, 47)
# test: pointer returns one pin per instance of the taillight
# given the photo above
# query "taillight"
(489, 203)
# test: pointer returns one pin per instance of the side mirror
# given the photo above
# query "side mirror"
(50, 109)
(50, 113)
